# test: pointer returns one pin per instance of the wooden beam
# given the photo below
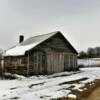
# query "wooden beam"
(28, 64)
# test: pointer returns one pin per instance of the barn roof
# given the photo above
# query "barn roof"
(30, 43)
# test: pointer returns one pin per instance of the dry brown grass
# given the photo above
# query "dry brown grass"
(84, 94)
(74, 81)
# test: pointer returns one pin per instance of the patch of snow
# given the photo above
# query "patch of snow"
(81, 90)
(14, 75)
(46, 87)
(89, 62)
(78, 86)
(72, 96)
(85, 88)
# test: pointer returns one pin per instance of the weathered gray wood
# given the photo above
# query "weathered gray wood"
(28, 62)
(53, 55)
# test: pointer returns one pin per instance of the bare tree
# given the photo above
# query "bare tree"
(91, 52)
(82, 55)
(97, 51)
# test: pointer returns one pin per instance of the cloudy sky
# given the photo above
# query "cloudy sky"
(79, 20)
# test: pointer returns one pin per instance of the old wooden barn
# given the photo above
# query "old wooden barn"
(43, 54)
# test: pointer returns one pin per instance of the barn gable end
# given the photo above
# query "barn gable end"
(57, 42)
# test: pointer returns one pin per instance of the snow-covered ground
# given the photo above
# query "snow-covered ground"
(89, 62)
(47, 87)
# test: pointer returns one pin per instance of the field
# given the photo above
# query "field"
(89, 62)
(60, 85)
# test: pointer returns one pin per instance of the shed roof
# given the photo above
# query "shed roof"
(30, 43)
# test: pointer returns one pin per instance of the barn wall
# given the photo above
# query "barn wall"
(60, 56)
(38, 62)
(34, 63)
(15, 65)
(55, 62)
(58, 62)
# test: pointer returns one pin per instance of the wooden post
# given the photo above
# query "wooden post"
(28, 64)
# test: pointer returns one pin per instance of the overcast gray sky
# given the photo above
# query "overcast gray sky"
(79, 20)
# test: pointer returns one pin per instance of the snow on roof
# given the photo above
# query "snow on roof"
(28, 44)
(19, 50)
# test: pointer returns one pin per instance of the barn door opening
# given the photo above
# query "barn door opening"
(39, 62)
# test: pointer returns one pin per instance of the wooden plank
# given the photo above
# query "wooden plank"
(28, 61)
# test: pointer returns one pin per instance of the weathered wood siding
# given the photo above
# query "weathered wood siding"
(58, 62)
(55, 62)
(38, 62)
(15, 65)
(19, 65)
(51, 56)
(60, 56)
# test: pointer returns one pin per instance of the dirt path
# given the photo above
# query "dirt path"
(95, 95)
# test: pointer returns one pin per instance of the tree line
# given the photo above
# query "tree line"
(90, 53)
